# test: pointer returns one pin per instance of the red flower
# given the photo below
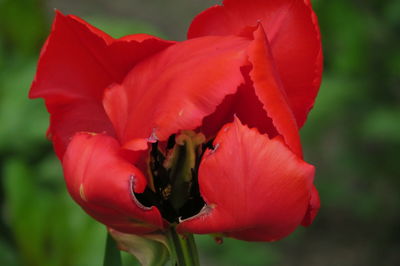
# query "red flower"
(202, 133)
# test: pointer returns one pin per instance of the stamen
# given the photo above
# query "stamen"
(173, 171)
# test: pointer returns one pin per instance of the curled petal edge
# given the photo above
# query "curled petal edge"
(77, 62)
(255, 188)
(293, 31)
(102, 182)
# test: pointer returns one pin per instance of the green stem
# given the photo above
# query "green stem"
(183, 249)
(112, 255)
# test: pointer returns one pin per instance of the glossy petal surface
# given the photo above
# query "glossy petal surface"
(293, 33)
(76, 64)
(255, 188)
(102, 182)
(175, 89)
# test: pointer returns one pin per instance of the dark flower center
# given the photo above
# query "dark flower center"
(173, 176)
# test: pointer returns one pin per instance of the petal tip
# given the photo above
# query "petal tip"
(313, 208)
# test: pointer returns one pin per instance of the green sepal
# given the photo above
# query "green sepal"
(149, 250)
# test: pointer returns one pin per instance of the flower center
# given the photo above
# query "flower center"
(173, 176)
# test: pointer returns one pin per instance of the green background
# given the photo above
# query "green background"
(352, 137)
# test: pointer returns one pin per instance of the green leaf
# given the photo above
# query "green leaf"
(112, 256)
(8, 255)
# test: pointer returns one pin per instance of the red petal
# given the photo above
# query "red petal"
(101, 181)
(176, 88)
(79, 115)
(76, 64)
(313, 208)
(255, 188)
(269, 90)
(292, 30)
(79, 60)
(245, 105)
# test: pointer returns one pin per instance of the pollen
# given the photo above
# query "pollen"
(166, 192)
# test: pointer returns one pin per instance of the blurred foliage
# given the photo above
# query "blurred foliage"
(352, 136)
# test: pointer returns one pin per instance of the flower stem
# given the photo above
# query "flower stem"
(183, 248)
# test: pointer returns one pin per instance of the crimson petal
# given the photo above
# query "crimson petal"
(268, 88)
(176, 88)
(293, 32)
(255, 188)
(102, 182)
(245, 105)
(313, 208)
(77, 62)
